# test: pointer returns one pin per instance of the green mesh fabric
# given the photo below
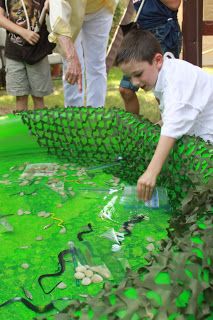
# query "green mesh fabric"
(89, 135)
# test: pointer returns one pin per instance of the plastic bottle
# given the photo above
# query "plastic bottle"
(159, 200)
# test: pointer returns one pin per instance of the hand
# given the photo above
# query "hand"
(73, 73)
(30, 36)
(159, 123)
(146, 184)
(46, 5)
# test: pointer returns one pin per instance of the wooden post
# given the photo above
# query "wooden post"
(192, 31)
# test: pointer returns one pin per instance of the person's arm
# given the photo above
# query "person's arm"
(30, 36)
(172, 4)
(147, 180)
(46, 6)
(73, 72)
(66, 20)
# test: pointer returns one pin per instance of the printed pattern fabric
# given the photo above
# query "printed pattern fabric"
(24, 13)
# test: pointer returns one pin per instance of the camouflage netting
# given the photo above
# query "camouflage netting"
(176, 283)
(89, 135)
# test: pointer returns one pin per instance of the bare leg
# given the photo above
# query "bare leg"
(21, 103)
(130, 100)
(38, 102)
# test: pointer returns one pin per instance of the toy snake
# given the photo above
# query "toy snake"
(127, 225)
(62, 269)
(79, 235)
(39, 309)
(60, 223)
(62, 262)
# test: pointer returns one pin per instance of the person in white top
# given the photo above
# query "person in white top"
(185, 93)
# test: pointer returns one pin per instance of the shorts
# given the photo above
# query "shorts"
(23, 79)
(159, 33)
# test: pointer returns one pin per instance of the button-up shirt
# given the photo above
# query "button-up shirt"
(185, 92)
(66, 16)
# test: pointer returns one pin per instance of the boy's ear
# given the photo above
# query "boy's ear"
(158, 59)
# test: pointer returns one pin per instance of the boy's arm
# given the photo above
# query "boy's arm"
(172, 4)
(147, 181)
(30, 36)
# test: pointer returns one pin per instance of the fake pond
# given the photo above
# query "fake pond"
(67, 229)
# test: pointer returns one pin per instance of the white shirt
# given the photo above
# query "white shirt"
(185, 92)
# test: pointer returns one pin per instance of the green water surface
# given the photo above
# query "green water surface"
(83, 196)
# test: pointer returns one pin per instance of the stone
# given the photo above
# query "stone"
(79, 275)
(86, 281)
(88, 273)
(62, 285)
(96, 278)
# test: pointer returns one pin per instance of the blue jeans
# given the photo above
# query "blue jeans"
(167, 43)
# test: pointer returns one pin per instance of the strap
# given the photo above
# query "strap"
(139, 10)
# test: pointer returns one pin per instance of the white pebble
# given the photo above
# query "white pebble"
(79, 275)
(96, 278)
(20, 212)
(27, 212)
(86, 281)
(41, 214)
(62, 285)
(25, 265)
(88, 273)
(39, 238)
(102, 270)
(46, 215)
(63, 230)
(81, 269)
(150, 247)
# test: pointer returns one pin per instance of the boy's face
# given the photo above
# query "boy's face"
(143, 74)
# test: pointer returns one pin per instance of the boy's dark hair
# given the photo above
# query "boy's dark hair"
(138, 45)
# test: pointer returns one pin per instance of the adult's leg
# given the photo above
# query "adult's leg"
(72, 96)
(95, 35)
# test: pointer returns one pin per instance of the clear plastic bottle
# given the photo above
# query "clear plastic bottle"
(159, 200)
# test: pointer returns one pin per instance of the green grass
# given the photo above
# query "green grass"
(148, 104)
(113, 99)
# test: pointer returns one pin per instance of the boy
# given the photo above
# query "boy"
(160, 18)
(27, 67)
(185, 93)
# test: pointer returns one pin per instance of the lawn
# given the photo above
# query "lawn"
(148, 104)
(113, 99)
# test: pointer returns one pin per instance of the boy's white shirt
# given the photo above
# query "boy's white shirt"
(185, 92)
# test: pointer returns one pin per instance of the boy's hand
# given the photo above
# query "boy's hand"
(146, 184)
(30, 36)
(147, 181)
